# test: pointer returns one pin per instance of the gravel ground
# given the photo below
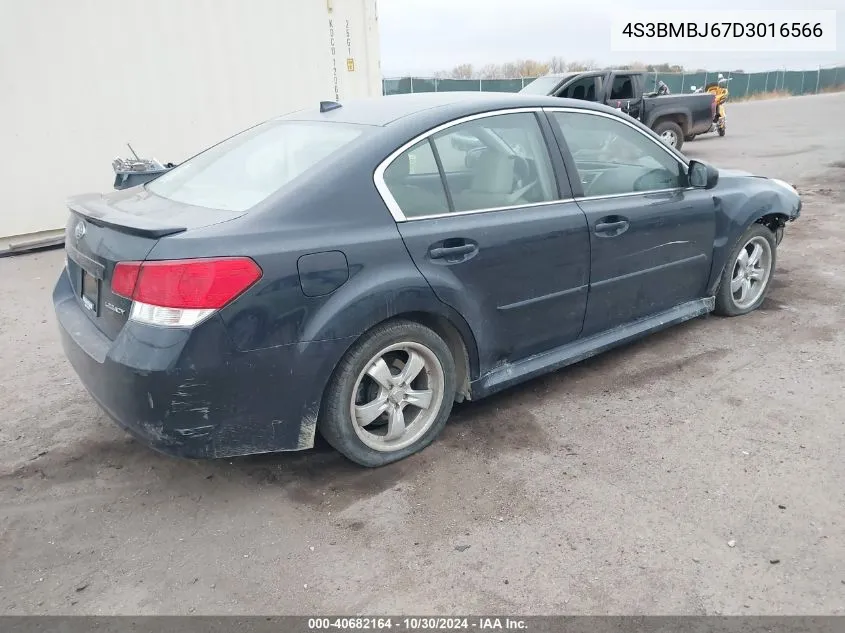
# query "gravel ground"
(697, 472)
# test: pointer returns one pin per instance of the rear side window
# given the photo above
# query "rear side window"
(240, 172)
(623, 87)
(494, 162)
(414, 182)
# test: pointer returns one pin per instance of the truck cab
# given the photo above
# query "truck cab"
(673, 117)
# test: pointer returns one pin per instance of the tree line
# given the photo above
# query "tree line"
(533, 68)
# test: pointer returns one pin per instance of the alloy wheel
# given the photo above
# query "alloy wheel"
(751, 272)
(397, 396)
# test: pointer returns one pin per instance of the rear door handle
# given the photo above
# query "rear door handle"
(452, 252)
(612, 229)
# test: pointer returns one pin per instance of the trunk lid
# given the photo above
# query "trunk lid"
(122, 226)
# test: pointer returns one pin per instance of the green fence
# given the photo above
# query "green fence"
(742, 84)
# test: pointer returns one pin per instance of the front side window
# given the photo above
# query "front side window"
(584, 88)
(240, 172)
(613, 158)
(499, 161)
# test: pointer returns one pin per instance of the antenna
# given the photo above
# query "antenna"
(326, 106)
(133, 151)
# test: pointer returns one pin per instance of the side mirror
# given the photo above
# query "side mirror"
(702, 176)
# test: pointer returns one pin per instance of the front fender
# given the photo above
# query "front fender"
(740, 202)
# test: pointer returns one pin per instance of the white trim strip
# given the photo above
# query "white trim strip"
(399, 216)
(488, 210)
(381, 185)
(635, 193)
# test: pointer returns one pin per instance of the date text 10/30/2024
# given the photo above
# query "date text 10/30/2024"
(416, 624)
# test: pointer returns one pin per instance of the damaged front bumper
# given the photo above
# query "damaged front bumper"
(779, 231)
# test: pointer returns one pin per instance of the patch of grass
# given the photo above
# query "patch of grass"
(828, 89)
(781, 94)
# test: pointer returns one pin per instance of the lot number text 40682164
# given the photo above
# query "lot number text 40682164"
(416, 624)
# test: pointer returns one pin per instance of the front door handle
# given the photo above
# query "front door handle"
(611, 228)
(452, 252)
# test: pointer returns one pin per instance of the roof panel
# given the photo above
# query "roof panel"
(385, 110)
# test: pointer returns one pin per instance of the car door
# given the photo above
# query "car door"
(626, 94)
(651, 235)
(479, 206)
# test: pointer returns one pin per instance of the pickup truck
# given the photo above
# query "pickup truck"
(675, 118)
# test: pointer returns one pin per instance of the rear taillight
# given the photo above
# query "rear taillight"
(182, 292)
(124, 277)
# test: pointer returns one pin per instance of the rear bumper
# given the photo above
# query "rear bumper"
(701, 126)
(187, 393)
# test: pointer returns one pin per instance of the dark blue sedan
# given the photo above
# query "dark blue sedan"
(356, 268)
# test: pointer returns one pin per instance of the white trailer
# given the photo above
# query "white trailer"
(80, 80)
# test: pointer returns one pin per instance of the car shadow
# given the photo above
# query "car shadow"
(511, 421)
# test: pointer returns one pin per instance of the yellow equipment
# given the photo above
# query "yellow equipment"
(720, 91)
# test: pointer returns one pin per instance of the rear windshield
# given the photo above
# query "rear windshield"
(240, 172)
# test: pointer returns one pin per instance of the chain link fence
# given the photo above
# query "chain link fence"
(796, 82)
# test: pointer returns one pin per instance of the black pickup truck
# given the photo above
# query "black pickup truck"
(674, 118)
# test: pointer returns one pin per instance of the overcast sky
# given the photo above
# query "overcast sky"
(423, 36)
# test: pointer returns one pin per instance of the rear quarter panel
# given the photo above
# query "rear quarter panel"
(656, 112)
(695, 110)
(702, 113)
(335, 209)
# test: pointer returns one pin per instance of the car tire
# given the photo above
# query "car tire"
(743, 272)
(671, 133)
(370, 381)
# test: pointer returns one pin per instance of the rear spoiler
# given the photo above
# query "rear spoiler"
(101, 214)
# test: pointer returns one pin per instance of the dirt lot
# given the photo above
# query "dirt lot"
(699, 471)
